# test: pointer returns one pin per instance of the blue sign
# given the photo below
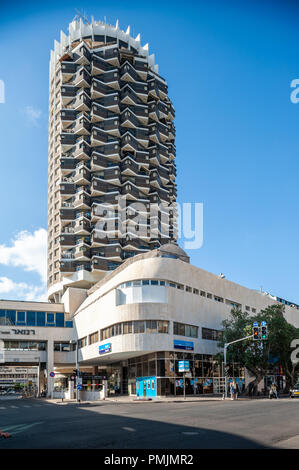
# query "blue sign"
(184, 366)
(264, 323)
(255, 323)
(105, 348)
(79, 387)
(187, 345)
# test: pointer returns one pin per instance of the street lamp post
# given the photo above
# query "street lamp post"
(77, 370)
(38, 377)
(226, 345)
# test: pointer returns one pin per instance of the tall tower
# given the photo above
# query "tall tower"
(111, 137)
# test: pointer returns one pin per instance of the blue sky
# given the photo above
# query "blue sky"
(229, 66)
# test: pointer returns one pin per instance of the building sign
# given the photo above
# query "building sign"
(184, 366)
(187, 345)
(18, 332)
(105, 348)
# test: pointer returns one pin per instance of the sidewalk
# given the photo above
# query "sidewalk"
(133, 399)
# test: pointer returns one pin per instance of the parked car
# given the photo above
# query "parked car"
(294, 393)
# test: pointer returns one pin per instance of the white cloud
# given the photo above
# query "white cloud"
(33, 115)
(29, 252)
(22, 291)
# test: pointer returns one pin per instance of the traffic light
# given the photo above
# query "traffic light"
(256, 333)
(264, 331)
(75, 372)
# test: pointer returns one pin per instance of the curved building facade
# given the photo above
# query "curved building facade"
(111, 155)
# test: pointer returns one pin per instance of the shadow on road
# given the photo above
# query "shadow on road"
(54, 426)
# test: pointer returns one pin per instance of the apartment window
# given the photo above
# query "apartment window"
(218, 299)
(188, 289)
(202, 293)
(196, 291)
(209, 296)
(247, 307)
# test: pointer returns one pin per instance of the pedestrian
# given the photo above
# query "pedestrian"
(232, 391)
(274, 390)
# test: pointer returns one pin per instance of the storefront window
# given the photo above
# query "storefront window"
(145, 369)
(152, 367)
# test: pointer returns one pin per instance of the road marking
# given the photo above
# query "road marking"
(2, 407)
(129, 429)
(16, 429)
(26, 406)
(13, 406)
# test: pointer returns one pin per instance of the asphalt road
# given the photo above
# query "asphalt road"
(36, 424)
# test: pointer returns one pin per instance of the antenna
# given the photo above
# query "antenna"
(80, 15)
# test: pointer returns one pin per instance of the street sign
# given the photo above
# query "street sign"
(264, 323)
(52, 374)
(255, 323)
(79, 387)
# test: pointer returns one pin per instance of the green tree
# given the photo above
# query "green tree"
(259, 356)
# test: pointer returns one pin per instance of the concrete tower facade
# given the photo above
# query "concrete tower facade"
(112, 170)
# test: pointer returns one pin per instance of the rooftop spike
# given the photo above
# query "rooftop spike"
(128, 30)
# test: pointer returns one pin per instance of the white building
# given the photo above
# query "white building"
(133, 327)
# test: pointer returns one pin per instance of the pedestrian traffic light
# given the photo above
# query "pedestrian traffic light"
(75, 371)
(256, 333)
